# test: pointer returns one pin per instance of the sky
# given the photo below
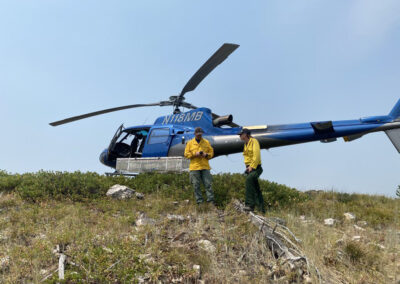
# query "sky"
(298, 61)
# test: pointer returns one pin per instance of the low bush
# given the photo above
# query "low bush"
(376, 210)
(78, 186)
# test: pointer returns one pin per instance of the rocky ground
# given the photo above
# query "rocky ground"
(146, 238)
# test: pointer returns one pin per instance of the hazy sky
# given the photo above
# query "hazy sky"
(298, 61)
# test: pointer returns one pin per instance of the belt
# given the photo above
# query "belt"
(259, 166)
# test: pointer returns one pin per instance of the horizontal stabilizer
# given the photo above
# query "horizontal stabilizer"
(353, 137)
(394, 136)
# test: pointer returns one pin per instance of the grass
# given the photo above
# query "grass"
(102, 237)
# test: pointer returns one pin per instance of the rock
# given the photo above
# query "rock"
(187, 201)
(143, 279)
(107, 249)
(139, 195)
(197, 270)
(43, 271)
(206, 245)
(3, 237)
(144, 220)
(176, 203)
(178, 218)
(358, 228)
(120, 192)
(133, 238)
(40, 236)
(377, 245)
(362, 223)
(329, 222)
(300, 272)
(349, 216)
(307, 279)
(302, 218)
(4, 262)
(146, 258)
(356, 238)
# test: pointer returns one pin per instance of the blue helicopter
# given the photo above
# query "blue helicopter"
(168, 135)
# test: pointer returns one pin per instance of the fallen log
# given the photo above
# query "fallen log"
(282, 243)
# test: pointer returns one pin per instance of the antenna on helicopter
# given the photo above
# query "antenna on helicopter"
(176, 101)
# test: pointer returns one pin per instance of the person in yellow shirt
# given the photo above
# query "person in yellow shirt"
(199, 151)
(252, 160)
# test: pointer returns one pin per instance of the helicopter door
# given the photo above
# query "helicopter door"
(158, 142)
(115, 138)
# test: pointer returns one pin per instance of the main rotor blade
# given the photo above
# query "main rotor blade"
(217, 58)
(71, 119)
(187, 105)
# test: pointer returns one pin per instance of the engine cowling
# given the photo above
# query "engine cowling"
(223, 120)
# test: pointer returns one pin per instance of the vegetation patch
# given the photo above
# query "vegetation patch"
(104, 241)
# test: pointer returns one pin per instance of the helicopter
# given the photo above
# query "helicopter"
(168, 135)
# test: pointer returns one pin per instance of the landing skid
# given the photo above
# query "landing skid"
(117, 173)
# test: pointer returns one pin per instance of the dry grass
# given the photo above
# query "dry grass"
(104, 241)
(373, 258)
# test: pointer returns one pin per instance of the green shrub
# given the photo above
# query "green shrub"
(280, 196)
(354, 251)
(9, 182)
(78, 186)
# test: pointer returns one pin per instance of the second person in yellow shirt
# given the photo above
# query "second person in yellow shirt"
(252, 160)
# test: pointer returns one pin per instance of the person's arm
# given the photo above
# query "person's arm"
(188, 153)
(256, 159)
(209, 151)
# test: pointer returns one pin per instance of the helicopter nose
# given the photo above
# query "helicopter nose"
(103, 157)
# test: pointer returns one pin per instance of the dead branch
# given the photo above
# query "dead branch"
(280, 240)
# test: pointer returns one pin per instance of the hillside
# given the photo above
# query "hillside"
(166, 237)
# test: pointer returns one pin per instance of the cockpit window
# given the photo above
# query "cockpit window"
(128, 143)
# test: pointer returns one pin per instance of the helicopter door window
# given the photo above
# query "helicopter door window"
(158, 136)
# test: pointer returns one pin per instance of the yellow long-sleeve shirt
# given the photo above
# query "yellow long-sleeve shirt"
(251, 153)
(198, 163)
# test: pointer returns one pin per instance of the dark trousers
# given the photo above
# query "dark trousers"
(204, 176)
(253, 192)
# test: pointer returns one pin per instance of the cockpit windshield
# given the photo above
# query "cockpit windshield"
(128, 143)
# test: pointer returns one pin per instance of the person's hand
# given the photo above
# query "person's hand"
(249, 169)
(197, 154)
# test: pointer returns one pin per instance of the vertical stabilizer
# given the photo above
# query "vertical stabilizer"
(394, 136)
(395, 113)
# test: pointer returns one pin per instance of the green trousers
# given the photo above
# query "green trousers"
(253, 192)
(204, 176)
